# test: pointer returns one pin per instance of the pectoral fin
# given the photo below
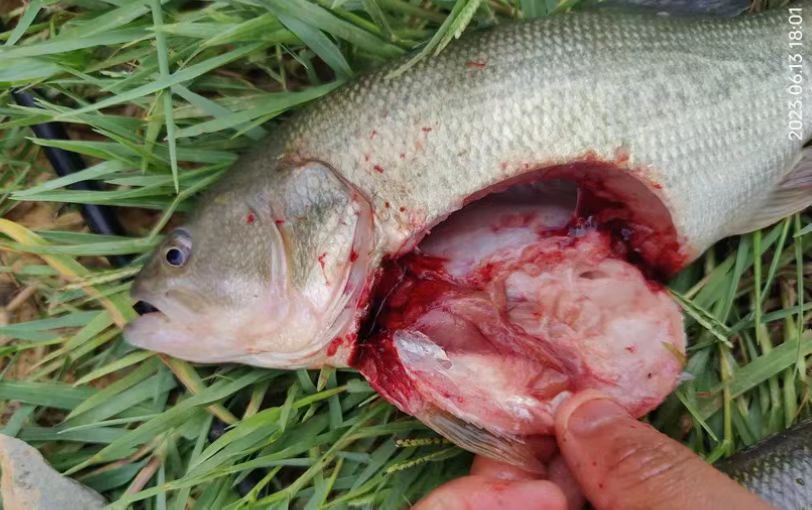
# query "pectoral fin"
(509, 449)
(792, 195)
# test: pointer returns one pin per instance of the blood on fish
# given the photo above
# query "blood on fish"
(412, 290)
(387, 205)
(321, 260)
(279, 221)
(333, 346)
(473, 64)
(622, 155)
(626, 206)
(353, 256)
(472, 322)
(250, 218)
(486, 272)
(345, 340)
(425, 129)
(378, 168)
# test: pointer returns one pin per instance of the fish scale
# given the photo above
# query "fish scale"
(691, 78)
(779, 468)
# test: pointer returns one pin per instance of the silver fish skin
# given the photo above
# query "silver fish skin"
(778, 469)
(684, 119)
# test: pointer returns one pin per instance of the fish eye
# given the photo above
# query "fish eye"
(177, 254)
(175, 257)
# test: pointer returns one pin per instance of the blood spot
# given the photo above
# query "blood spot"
(321, 260)
(631, 348)
(378, 168)
(402, 209)
(387, 205)
(425, 129)
(333, 346)
(473, 64)
(279, 221)
(250, 218)
(353, 256)
(621, 155)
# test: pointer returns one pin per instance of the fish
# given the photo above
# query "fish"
(778, 468)
(654, 136)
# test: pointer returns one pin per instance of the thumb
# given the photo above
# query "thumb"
(622, 463)
(483, 493)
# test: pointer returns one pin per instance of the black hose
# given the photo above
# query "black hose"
(100, 219)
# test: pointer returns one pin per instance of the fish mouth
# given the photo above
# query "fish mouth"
(155, 330)
(142, 307)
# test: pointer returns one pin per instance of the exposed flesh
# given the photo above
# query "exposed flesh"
(506, 309)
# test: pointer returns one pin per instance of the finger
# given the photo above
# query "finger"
(489, 468)
(560, 474)
(621, 462)
(482, 493)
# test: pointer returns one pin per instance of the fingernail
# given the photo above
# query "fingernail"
(591, 414)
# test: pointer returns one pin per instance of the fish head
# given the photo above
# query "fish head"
(266, 272)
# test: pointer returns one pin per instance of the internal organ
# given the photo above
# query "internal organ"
(509, 307)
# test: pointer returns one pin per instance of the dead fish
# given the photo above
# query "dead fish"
(676, 131)
(779, 468)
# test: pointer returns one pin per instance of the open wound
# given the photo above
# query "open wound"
(509, 307)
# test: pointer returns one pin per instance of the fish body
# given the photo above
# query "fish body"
(683, 120)
(778, 469)
(676, 131)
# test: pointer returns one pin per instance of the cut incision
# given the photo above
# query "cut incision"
(508, 308)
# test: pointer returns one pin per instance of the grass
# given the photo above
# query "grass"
(160, 97)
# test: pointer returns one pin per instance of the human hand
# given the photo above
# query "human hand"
(618, 462)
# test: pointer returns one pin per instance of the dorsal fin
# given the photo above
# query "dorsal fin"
(721, 8)
(793, 194)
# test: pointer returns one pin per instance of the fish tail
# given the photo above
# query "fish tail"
(793, 194)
